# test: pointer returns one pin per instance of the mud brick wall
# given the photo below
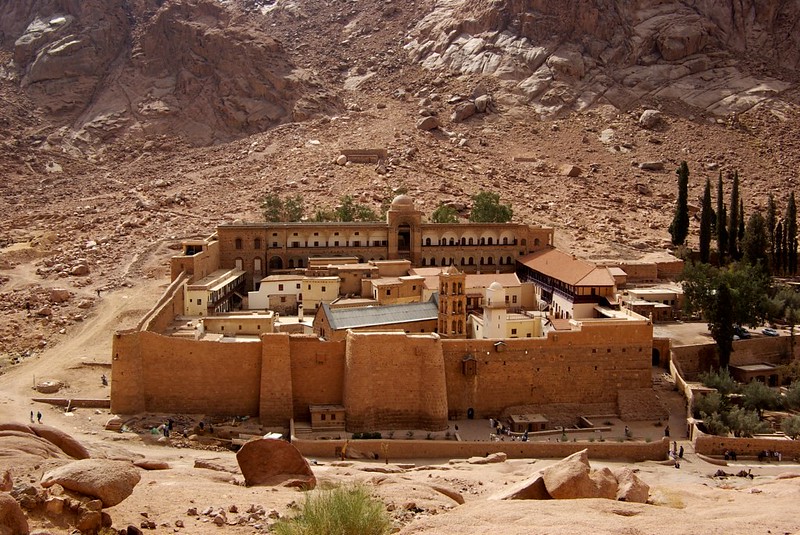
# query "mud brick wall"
(450, 449)
(317, 374)
(714, 445)
(581, 367)
(394, 381)
(275, 401)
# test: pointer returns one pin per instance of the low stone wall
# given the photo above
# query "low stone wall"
(444, 449)
(714, 445)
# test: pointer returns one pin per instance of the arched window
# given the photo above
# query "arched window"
(463, 241)
(463, 260)
(433, 261)
(444, 261)
(524, 242)
(490, 261)
(481, 260)
(460, 326)
(443, 241)
(471, 261)
(291, 263)
(536, 242)
(469, 241)
(455, 326)
(505, 241)
(257, 265)
(257, 244)
(483, 241)
(508, 260)
(427, 241)
(237, 243)
(423, 262)
(452, 241)
(490, 240)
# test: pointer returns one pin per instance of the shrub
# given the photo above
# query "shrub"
(791, 426)
(715, 424)
(745, 423)
(721, 380)
(708, 403)
(792, 399)
(340, 511)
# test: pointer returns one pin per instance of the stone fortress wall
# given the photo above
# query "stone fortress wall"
(384, 380)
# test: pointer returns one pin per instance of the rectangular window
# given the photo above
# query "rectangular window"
(513, 298)
(257, 243)
(280, 287)
(295, 244)
(309, 287)
(513, 331)
(356, 243)
(322, 417)
(199, 301)
(274, 244)
(389, 292)
(283, 299)
(298, 285)
(336, 243)
(323, 289)
(356, 233)
(274, 234)
(316, 244)
(316, 234)
(333, 416)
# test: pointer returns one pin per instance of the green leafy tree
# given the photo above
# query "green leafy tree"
(444, 214)
(486, 208)
(706, 218)
(715, 424)
(749, 286)
(293, 208)
(722, 381)
(272, 207)
(708, 404)
(276, 209)
(679, 228)
(722, 223)
(759, 397)
(791, 235)
(755, 245)
(348, 210)
(791, 426)
(785, 307)
(745, 423)
(792, 398)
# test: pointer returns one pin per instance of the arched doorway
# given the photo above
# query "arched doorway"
(404, 238)
(276, 262)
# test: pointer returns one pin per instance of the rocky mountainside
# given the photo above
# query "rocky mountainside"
(126, 125)
(721, 57)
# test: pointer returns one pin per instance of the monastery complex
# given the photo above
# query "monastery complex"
(395, 325)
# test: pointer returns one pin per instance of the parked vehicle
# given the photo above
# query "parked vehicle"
(768, 331)
(741, 332)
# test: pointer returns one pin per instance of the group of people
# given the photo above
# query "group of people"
(769, 455)
(38, 417)
(676, 453)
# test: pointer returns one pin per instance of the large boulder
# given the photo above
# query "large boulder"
(605, 483)
(573, 478)
(630, 487)
(266, 462)
(65, 442)
(530, 489)
(12, 519)
(569, 478)
(110, 481)
(463, 111)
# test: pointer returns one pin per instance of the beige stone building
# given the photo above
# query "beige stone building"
(262, 249)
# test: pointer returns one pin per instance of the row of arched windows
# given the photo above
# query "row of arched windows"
(467, 261)
(475, 241)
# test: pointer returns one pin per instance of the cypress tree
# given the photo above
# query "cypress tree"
(785, 246)
(706, 217)
(778, 266)
(679, 228)
(791, 234)
(741, 225)
(722, 223)
(771, 222)
(733, 220)
(755, 245)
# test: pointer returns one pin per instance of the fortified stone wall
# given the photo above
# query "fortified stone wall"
(394, 381)
(317, 374)
(450, 449)
(714, 445)
(169, 305)
(695, 359)
(156, 373)
(582, 367)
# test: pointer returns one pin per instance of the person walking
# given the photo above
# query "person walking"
(39, 416)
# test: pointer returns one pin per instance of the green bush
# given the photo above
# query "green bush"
(791, 426)
(721, 380)
(340, 511)
(708, 403)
